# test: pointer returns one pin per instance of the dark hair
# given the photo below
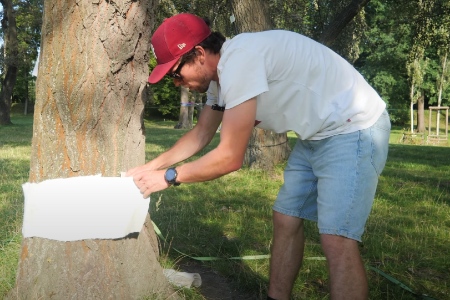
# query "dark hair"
(213, 43)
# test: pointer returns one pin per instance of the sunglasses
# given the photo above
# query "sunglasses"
(176, 74)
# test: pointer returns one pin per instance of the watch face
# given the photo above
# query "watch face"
(171, 175)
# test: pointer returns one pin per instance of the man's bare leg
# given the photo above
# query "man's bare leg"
(347, 274)
(287, 254)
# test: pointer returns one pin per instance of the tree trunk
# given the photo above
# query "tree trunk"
(341, 20)
(440, 88)
(90, 94)
(186, 110)
(25, 106)
(10, 60)
(198, 103)
(411, 107)
(191, 108)
(421, 113)
(266, 148)
(251, 15)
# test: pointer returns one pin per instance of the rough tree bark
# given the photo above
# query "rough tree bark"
(266, 148)
(10, 60)
(88, 120)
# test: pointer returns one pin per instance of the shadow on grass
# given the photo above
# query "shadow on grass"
(420, 170)
(227, 217)
(208, 220)
(17, 134)
(408, 230)
(433, 156)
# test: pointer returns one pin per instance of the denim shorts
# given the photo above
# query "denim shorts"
(333, 181)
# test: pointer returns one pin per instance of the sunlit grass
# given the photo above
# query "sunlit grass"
(15, 150)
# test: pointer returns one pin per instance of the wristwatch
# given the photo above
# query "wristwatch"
(171, 177)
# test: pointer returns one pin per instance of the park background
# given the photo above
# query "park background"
(401, 48)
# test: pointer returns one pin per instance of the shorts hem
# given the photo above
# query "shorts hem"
(294, 214)
(341, 232)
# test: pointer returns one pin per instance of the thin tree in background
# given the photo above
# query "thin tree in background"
(442, 37)
(185, 120)
(417, 62)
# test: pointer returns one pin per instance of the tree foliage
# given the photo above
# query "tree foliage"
(382, 41)
(400, 48)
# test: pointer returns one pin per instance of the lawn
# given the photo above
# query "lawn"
(405, 247)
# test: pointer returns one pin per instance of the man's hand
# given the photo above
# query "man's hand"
(147, 180)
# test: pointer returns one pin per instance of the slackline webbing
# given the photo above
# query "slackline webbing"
(209, 258)
(400, 284)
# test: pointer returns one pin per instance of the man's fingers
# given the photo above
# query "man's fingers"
(143, 189)
(130, 172)
(138, 179)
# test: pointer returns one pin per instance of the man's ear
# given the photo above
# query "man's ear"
(200, 53)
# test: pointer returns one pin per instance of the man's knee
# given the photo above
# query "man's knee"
(287, 224)
(335, 246)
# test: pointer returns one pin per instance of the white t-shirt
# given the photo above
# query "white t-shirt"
(299, 85)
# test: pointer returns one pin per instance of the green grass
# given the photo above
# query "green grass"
(15, 151)
(407, 234)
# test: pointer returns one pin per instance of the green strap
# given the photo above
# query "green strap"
(209, 258)
(400, 284)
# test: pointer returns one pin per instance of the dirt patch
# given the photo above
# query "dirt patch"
(215, 286)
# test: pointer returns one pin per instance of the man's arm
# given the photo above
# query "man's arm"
(189, 144)
(237, 125)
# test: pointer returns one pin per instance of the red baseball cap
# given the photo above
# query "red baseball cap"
(176, 36)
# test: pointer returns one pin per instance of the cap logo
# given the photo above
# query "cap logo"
(181, 46)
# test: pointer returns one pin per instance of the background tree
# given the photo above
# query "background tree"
(29, 23)
(266, 148)
(442, 41)
(416, 68)
(186, 110)
(417, 62)
(341, 26)
(90, 95)
(341, 20)
(28, 16)
(10, 63)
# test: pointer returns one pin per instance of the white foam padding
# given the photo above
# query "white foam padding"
(84, 207)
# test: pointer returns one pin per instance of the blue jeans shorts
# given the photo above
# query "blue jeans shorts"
(333, 181)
